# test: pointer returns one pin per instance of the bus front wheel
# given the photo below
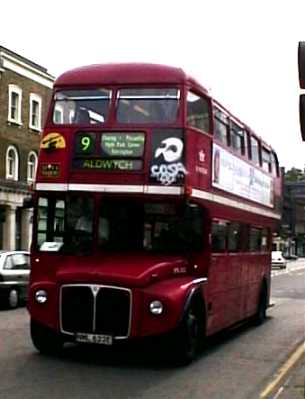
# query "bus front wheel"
(45, 340)
(188, 337)
(261, 313)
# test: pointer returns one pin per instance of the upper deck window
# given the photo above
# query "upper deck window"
(254, 145)
(81, 107)
(275, 164)
(198, 113)
(221, 122)
(266, 160)
(148, 105)
(237, 138)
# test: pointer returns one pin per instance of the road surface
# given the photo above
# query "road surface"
(238, 364)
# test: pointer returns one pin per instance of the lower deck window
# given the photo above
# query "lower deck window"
(78, 224)
(219, 236)
(238, 237)
(156, 227)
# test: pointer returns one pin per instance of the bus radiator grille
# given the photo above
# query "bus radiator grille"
(95, 309)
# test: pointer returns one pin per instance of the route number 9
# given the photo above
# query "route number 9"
(85, 143)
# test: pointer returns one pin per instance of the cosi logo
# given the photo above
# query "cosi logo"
(170, 169)
(53, 141)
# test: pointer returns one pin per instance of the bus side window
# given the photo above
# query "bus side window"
(255, 157)
(265, 241)
(237, 138)
(221, 126)
(198, 112)
(266, 160)
(234, 237)
(219, 236)
(275, 165)
(255, 239)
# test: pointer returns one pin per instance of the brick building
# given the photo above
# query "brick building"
(293, 220)
(25, 90)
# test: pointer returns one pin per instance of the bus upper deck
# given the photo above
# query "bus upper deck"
(158, 129)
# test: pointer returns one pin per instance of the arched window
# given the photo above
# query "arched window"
(32, 164)
(12, 163)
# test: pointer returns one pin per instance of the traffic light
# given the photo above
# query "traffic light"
(301, 66)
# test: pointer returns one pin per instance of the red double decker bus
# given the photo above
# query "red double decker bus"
(154, 211)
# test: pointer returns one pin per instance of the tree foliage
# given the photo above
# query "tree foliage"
(294, 174)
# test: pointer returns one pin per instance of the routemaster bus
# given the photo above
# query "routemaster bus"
(154, 208)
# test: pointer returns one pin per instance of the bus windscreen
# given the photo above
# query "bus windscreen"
(148, 105)
(81, 107)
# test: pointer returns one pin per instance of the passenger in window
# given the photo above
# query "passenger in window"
(82, 116)
(103, 231)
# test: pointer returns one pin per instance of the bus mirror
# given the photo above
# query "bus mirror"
(301, 64)
(28, 202)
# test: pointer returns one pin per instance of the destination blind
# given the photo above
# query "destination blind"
(109, 151)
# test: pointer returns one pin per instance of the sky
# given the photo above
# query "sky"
(243, 51)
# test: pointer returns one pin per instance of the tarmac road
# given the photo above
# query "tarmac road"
(236, 365)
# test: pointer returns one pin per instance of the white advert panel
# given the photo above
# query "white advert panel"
(237, 177)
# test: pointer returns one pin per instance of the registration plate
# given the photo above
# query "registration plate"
(94, 338)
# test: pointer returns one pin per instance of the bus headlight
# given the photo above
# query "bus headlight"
(41, 296)
(156, 307)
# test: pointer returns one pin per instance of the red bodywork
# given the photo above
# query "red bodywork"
(229, 282)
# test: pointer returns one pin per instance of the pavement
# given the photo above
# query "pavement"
(293, 386)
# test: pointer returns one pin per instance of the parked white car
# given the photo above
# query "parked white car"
(277, 260)
(14, 277)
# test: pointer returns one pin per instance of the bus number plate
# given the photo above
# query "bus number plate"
(94, 338)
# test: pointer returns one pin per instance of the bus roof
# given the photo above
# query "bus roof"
(133, 74)
(128, 73)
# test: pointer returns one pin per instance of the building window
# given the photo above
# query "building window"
(35, 112)
(32, 164)
(12, 163)
(198, 112)
(14, 104)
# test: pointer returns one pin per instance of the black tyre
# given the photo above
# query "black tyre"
(13, 298)
(261, 314)
(189, 337)
(45, 340)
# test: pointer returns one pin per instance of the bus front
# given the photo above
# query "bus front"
(115, 242)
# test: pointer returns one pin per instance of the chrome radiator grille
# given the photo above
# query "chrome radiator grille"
(96, 309)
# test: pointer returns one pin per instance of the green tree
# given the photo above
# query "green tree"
(294, 174)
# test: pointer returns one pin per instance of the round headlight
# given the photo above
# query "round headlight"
(156, 307)
(41, 296)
